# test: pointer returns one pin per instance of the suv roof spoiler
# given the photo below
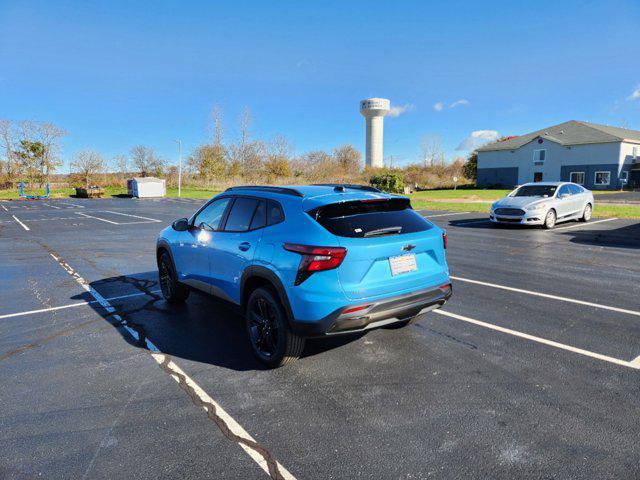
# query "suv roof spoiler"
(266, 188)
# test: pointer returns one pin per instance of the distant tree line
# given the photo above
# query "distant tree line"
(30, 152)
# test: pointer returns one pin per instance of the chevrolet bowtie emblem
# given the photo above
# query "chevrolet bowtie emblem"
(408, 248)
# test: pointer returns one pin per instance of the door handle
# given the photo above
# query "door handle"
(244, 246)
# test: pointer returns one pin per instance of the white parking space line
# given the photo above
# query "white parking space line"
(581, 224)
(134, 216)
(227, 425)
(4, 208)
(52, 206)
(71, 305)
(444, 214)
(21, 224)
(547, 295)
(73, 204)
(605, 358)
(97, 218)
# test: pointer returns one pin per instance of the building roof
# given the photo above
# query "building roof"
(148, 179)
(568, 133)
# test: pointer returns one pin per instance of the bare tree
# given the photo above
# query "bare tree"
(245, 125)
(319, 166)
(31, 149)
(348, 159)
(432, 153)
(216, 128)
(9, 145)
(146, 161)
(120, 164)
(87, 163)
(279, 154)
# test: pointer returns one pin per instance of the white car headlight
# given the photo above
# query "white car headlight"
(537, 207)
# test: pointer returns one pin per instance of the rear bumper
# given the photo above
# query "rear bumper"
(374, 314)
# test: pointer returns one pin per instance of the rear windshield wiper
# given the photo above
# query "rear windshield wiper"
(383, 231)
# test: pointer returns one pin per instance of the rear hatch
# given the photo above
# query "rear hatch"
(375, 233)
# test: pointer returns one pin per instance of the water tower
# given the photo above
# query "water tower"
(374, 110)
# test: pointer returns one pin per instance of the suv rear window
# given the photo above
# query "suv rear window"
(370, 218)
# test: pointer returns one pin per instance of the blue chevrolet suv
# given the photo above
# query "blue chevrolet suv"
(307, 261)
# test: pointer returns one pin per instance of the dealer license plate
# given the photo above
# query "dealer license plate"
(403, 264)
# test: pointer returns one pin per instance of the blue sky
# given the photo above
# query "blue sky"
(116, 74)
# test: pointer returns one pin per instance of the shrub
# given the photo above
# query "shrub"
(388, 182)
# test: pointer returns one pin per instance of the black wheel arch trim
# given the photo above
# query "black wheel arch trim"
(268, 275)
(164, 245)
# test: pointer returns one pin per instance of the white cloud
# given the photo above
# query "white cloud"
(439, 106)
(635, 95)
(398, 110)
(459, 103)
(476, 139)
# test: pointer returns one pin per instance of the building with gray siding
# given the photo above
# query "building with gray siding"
(596, 156)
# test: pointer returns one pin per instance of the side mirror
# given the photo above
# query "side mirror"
(181, 225)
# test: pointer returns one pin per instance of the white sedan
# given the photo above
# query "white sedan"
(543, 203)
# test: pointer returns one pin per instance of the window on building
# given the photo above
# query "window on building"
(602, 178)
(577, 177)
(539, 156)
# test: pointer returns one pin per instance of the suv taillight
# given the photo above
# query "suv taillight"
(444, 239)
(315, 259)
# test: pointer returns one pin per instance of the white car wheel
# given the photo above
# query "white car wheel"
(586, 215)
(550, 219)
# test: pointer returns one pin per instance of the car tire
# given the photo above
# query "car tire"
(586, 214)
(550, 219)
(172, 290)
(270, 337)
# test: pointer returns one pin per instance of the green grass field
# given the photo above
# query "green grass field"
(461, 194)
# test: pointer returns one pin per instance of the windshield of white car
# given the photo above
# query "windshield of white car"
(535, 191)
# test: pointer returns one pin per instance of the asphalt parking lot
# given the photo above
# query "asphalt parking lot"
(532, 370)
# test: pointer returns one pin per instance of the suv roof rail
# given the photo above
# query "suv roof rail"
(267, 188)
(366, 188)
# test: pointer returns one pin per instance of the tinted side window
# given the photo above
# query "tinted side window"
(210, 217)
(241, 215)
(275, 213)
(564, 190)
(260, 216)
(575, 189)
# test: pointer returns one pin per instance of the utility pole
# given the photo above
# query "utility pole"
(179, 166)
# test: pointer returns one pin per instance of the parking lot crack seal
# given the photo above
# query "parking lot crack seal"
(212, 412)
(227, 425)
